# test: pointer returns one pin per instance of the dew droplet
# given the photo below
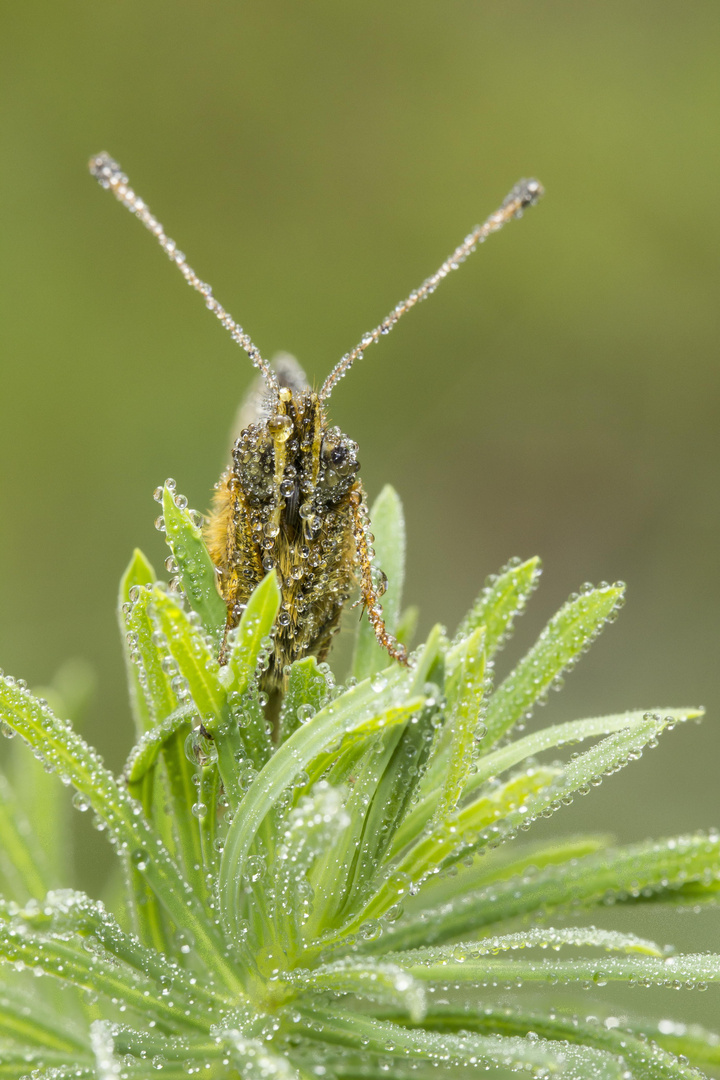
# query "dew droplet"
(139, 858)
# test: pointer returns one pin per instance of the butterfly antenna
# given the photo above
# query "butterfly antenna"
(525, 193)
(109, 175)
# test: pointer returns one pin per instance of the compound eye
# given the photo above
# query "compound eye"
(338, 455)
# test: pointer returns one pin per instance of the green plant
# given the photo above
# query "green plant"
(346, 892)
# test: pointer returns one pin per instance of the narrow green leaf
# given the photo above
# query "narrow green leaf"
(253, 1059)
(692, 1041)
(361, 708)
(646, 1059)
(194, 660)
(443, 910)
(448, 1050)
(146, 913)
(306, 694)
(145, 753)
(427, 662)
(579, 774)
(573, 732)
(151, 1043)
(209, 796)
(382, 982)
(138, 574)
(22, 1020)
(388, 526)
(24, 871)
(245, 734)
(44, 1064)
(465, 688)
(67, 959)
(64, 751)
(500, 760)
(655, 870)
(479, 823)
(504, 598)
(395, 879)
(178, 666)
(254, 627)
(181, 774)
(450, 839)
(178, 670)
(195, 566)
(67, 912)
(675, 972)
(507, 861)
(148, 658)
(568, 634)
(153, 702)
(41, 809)
(336, 871)
(407, 625)
(395, 790)
(125, 1052)
(310, 829)
(438, 957)
(107, 1065)
(147, 916)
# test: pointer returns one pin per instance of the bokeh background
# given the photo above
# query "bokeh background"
(316, 160)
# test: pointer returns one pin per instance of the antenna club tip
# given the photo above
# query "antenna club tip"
(525, 193)
(106, 170)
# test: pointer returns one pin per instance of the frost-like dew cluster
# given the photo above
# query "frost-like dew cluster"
(342, 883)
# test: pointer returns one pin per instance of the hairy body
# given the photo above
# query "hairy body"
(290, 502)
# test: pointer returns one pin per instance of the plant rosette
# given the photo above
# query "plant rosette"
(344, 889)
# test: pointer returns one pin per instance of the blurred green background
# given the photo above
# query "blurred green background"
(316, 160)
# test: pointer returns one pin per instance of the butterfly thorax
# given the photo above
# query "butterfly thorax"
(289, 502)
